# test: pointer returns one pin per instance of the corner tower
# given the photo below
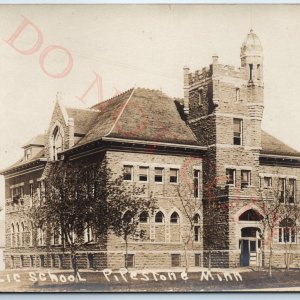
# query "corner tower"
(224, 108)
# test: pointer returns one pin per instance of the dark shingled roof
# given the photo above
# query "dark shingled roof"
(38, 140)
(83, 118)
(271, 145)
(141, 114)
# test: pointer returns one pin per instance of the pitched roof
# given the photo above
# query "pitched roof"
(272, 145)
(22, 162)
(83, 118)
(140, 114)
(38, 140)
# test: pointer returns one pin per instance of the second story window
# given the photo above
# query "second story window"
(143, 174)
(292, 190)
(128, 173)
(245, 178)
(230, 176)
(158, 175)
(173, 175)
(237, 132)
(267, 181)
(196, 183)
(281, 190)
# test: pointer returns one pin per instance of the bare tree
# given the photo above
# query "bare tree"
(127, 205)
(277, 205)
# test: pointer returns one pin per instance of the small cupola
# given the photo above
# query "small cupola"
(252, 56)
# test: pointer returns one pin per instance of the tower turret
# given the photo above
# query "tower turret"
(252, 57)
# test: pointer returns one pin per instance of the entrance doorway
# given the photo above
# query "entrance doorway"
(250, 245)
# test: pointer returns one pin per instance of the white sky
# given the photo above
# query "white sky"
(139, 45)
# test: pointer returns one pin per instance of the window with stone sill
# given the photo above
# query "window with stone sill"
(174, 175)
(128, 173)
(143, 174)
(237, 131)
(158, 175)
(287, 232)
(230, 176)
(245, 178)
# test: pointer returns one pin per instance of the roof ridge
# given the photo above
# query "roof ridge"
(83, 108)
(121, 112)
(111, 98)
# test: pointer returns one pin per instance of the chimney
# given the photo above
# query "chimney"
(186, 71)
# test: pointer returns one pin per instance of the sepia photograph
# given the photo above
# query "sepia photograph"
(149, 148)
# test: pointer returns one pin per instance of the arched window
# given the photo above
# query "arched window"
(174, 218)
(144, 217)
(287, 231)
(159, 217)
(250, 215)
(12, 235)
(57, 142)
(127, 216)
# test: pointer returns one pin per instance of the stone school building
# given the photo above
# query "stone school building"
(212, 140)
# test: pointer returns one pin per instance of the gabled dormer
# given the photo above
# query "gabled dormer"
(33, 147)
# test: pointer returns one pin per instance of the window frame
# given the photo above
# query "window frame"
(238, 135)
(177, 175)
(233, 176)
(245, 184)
(140, 174)
(162, 175)
(131, 173)
(196, 182)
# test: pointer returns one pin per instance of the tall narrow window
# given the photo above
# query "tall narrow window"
(158, 175)
(237, 131)
(197, 260)
(143, 174)
(196, 183)
(128, 173)
(281, 190)
(230, 176)
(251, 71)
(245, 178)
(292, 188)
(57, 142)
(173, 175)
(200, 97)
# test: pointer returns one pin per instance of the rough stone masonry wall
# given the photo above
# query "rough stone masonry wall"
(163, 239)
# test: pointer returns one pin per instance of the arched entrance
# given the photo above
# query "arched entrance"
(250, 242)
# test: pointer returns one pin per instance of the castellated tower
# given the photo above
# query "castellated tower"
(224, 107)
